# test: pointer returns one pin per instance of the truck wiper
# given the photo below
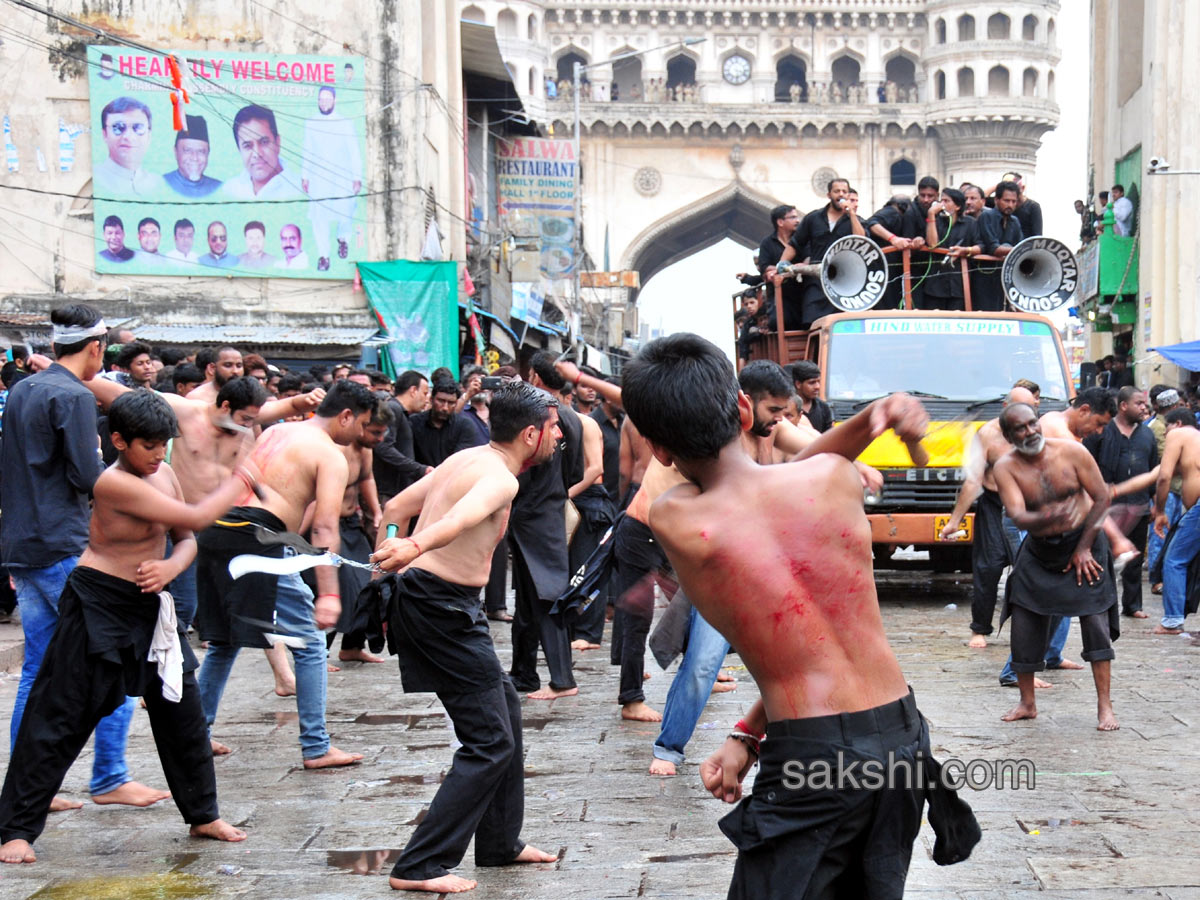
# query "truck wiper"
(863, 402)
(925, 395)
(971, 407)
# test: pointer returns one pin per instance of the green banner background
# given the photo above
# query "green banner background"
(416, 303)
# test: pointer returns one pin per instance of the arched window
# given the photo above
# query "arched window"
(966, 82)
(506, 24)
(1029, 28)
(999, 27)
(1029, 83)
(901, 70)
(1050, 35)
(627, 75)
(998, 85)
(531, 27)
(680, 70)
(1050, 85)
(532, 81)
(474, 14)
(966, 28)
(903, 172)
(940, 31)
(940, 84)
(788, 71)
(566, 65)
(845, 69)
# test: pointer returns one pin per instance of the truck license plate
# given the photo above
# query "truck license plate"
(967, 527)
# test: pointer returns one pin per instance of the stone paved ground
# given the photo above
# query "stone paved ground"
(1111, 815)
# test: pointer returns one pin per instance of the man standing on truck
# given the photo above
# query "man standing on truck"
(990, 547)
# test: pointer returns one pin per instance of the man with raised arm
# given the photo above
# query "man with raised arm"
(1181, 457)
(117, 634)
(778, 559)
(438, 628)
(301, 463)
(1053, 489)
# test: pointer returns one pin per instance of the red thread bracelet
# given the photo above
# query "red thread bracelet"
(337, 597)
(415, 544)
(746, 729)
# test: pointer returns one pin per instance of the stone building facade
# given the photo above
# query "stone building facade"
(698, 116)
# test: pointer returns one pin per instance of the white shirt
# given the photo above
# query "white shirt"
(182, 257)
(280, 187)
(332, 156)
(1122, 216)
(112, 180)
(299, 261)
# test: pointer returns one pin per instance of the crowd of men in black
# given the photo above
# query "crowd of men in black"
(969, 221)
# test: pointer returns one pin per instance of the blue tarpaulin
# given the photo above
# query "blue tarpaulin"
(1185, 355)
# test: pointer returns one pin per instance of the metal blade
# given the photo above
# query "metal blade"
(270, 565)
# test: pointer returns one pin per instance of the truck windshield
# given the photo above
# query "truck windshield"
(955, 358)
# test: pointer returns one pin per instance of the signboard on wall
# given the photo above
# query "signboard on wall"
(535, 196)
(266, 178)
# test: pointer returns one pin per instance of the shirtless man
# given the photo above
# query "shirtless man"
(990, 550)
(202, 455)
(226, 365)
(1053, 489)
(301, 462)
(1181, 456)
(591, 500)
(439, 630)
(635, 457)
(109, 611)
(778, 559)
(360, 499)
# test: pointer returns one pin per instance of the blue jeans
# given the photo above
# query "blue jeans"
(38, 591)
(183, 590)
(293, 616)
(1184, 547)
(706, 650)
(1154, 544)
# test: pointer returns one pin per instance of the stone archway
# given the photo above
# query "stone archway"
(736, 212)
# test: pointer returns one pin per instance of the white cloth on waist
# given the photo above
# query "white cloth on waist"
(165, 651)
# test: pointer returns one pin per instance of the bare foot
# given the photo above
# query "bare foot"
(1139, 614)
(549, 693)
(581, 644)
(285, 690)
(332, 668)
(1020, 711)
(661, 767)
(1039, 683)
(218, 830)
(1161, 629)
(640, 712)
(447, 884)
(360, 656)
(977, 642)
(532, 854)
(219, 749)
(131, 793)
(725, 676)
(1107, 721)
(332, 759)
(62, 804)
(724, 687)
(1068, 664)
(17, 852)
(645, 676)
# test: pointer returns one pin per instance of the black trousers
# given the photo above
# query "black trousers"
(1131, 576)
(1031, 632)
(989, 556)
(483, 794)
(72, 693)
(638, 559)
(495, 593)
(533, 624)
(814, 305)
(589, 626)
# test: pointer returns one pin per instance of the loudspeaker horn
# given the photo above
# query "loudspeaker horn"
(853, 273)
(1039, 275)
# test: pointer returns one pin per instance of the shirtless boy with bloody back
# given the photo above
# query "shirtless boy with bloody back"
(778, 559)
